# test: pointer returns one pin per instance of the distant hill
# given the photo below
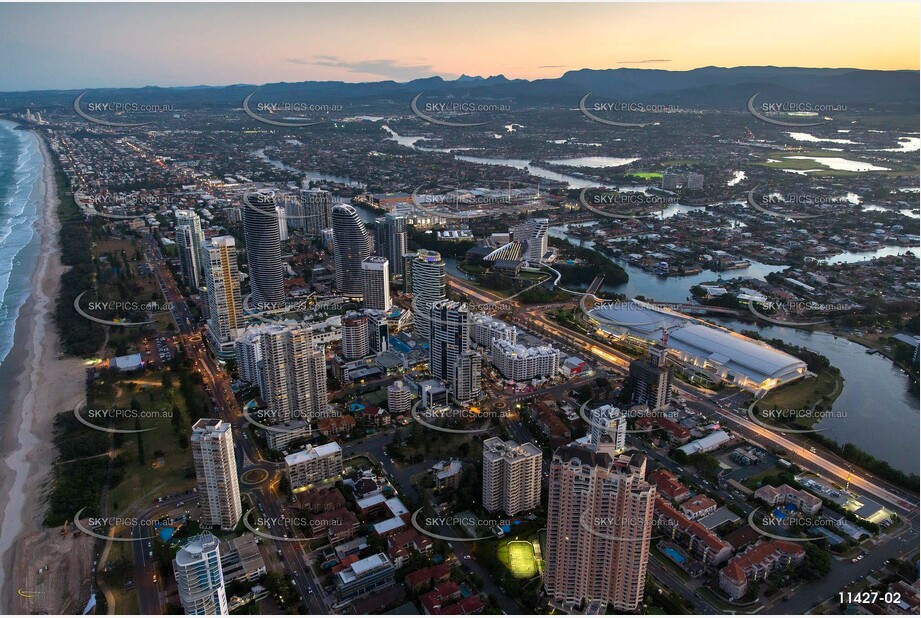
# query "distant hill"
(711, 87)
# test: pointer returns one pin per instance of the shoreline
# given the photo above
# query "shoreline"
(33, 365)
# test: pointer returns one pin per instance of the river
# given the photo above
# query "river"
(876, 393)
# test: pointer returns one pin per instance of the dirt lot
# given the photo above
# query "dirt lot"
(52, 573)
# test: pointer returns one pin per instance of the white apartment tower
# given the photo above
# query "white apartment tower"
(399, 398)
(466, 384)
(263, 250)
(485, 329)
(313, 213)
(197, 568)
(292, 372)
(522, 363)
(511, 476)
(356, 341)
(351, 246)
(429, 285)
(189, 241)
(375, 271)
(216, 472)
(189, 259)
(608, 428)
(314, 465)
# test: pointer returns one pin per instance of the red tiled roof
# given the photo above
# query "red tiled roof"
(696, 529)
(698, 504)
(416, 578)
(668, 484)
(435, 600)
(760, 554)
(470, 605)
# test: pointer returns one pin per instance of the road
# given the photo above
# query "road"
(827, 464)
(217, 383)
(148, 590)
(401, 476)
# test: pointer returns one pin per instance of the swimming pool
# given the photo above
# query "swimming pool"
(674, 554)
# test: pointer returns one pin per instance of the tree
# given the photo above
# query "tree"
(140, 442)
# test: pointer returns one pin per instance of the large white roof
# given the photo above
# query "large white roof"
(754, 359)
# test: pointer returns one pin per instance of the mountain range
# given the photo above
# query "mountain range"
(709, 87)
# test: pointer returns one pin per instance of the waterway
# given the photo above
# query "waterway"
(876, 393)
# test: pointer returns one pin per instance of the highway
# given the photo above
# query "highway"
(827, 464)
(843, 573)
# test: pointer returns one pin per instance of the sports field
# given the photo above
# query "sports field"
(518, 556)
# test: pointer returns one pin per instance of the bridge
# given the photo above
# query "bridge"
(699, 309)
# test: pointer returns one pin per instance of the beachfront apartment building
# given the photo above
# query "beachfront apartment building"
(225, 303)
(215, 465)
(199, 578)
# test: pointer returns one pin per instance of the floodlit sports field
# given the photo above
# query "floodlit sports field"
(518, 556)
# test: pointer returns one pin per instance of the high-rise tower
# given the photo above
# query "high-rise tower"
(352, 246)
(225, 305)
(216, 472)
(599, 523)
(375, 272)
(197, 568)
(449, 337)
(262, 235)
(429, 285)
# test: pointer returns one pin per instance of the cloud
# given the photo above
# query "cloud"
(297, 61)
(553, 66)
(642, 61)
(384, 67)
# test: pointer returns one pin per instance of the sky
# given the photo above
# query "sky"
(65, 46)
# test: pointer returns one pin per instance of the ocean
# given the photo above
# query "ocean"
(21, 198)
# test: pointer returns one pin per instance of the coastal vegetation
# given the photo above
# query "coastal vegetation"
(79, 336)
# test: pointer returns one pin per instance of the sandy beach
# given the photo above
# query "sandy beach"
(43, 386)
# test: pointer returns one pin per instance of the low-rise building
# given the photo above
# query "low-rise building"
(804, 501)
(429, 576)
(444, 594)
(698, 507)
(447, 475)
(401, 545)
(241, 559)
(279, 436)
(669, 486)
(706, 444)
(757, 562)
(364, 577)
(336, 425)
(314, 465)
(700, 542)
